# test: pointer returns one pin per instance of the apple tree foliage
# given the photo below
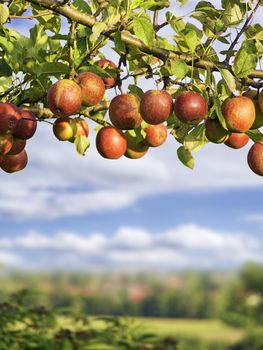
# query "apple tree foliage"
(213, 51)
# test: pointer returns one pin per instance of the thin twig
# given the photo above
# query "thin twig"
(71, 48)
(32, 17)
(239, 34)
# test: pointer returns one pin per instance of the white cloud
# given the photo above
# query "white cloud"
(186, 246)
(9, 259)
(59, 183)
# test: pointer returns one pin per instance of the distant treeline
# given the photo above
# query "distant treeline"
(236, 298)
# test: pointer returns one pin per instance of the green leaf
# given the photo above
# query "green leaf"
(18, 7)
(97, 29)
(119, 44)
(143, 29)
(245, 59)
(4, 13)
(150, 4)
(175, 22)
(134, 89)
(5, 83)
(82, 6)
(233, 13)
(81, 143)
(5, 69)
(191, 39)
(178, 68)
(229, 79)
(196, 139)
(51, 21)
(217, 106)
(255, 135)
(185, 156)
(38, 37)
(50, 68)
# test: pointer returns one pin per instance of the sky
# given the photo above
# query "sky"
(67, 212)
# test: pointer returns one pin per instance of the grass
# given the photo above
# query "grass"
(206, 330)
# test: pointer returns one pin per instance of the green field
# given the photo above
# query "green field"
(207, 331)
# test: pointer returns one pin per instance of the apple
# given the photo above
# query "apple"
(109, 82)
(26, 126)
(260, 101)
(17, 162)
(64, 98)
(64, 128)
(82, 127)
(239, 113)
(9, 116)
(135, 149)
(6, 143)
(156, 135)
(156, 106)
(124, 112)
(255, 158)
(17, 147)
(111, 143)
(252, 94)
(190, 107)
(215, 132)
(92, 88)
(237, 140)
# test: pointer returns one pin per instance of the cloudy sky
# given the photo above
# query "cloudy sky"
(70, 212)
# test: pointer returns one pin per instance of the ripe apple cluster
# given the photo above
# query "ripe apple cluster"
(241, 114)
(128, 112)
(66, 97)
(136, 124)
(16, 127)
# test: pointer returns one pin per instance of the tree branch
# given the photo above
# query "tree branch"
(129, 39)
(45, 113)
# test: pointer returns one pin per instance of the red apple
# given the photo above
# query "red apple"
(237, 140)
(109, 81)
(9, 116)
(255, 158)
(64, 128)
(155, 135)
(64, 98)
(135, 149)
(215, 132)
(26, 126)
(156, 106)
(82, 127)
(124, 112)
(6, 143)
(190, 107)
(92, 88)
(17, 147)
(111, 143)
(239, 113)
(11, 164)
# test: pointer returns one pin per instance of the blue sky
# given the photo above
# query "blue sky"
(70, 212)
